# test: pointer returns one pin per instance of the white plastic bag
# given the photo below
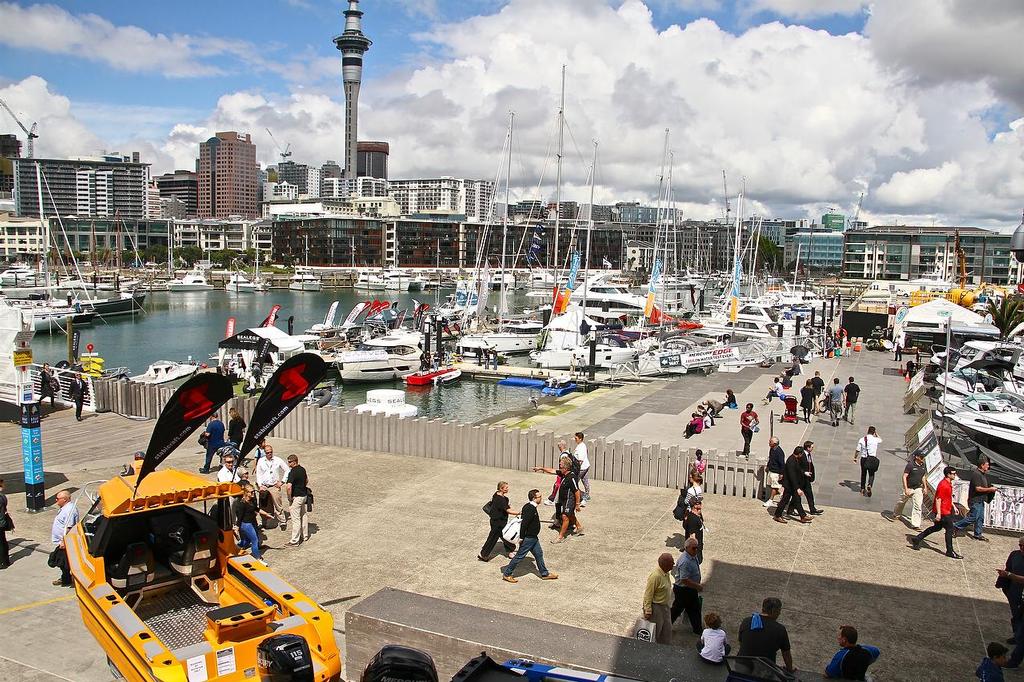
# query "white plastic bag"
(511, 531)
(644, 630)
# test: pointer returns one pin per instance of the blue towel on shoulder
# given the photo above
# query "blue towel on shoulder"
(755, 622)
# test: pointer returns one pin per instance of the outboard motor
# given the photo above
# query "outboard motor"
(395, 663)
(285, 658)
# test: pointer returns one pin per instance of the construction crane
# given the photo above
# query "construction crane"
(856, 213)
(284, 153)
(29, 132)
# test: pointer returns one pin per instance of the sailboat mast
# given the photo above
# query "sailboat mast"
(46, 229)
(590, 228)
(504, 222)
(558, 167)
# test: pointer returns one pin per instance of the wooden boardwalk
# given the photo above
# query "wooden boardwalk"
(70, 444)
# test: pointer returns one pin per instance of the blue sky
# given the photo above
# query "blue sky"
(287, 29)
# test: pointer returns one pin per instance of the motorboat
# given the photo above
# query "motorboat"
(165, 371)
(972, 350)
(502, 278)
(194, 280)
(159, 577)
(984, 375)
(369, 281)
(118, 284)
(304, 280)
(562, 345)
(20, 275)
(398, 280)
(393, 355)
(752, 319)
(426, 377)
(511, 337)
(994, 420)
(238, 283)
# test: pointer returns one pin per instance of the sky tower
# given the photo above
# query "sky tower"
(352, 44)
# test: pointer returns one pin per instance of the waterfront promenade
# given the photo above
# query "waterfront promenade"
(415, 524)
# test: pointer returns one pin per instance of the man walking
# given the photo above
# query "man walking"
(913, 490)
(819, 388)
(529, 541)
(774, 469)
(214, 436)
(852, 392)
(656, 600)
(46, 389)
(943, 514)
(1013, 587)
(568, 501)
(78, 394)
(271, 472)
(852, 660)
(807, 480)
(687, 587)
(761, 634)
(792, 487)
(66, 518)
(297, 487)
(834, 401)
(748, 422)
(979, 492)
(582, 458)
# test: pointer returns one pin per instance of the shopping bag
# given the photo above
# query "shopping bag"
(511, 531)
(644, 630)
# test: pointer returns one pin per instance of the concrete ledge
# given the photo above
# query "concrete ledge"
(453, 633)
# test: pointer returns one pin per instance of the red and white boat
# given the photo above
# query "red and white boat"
(440, 375)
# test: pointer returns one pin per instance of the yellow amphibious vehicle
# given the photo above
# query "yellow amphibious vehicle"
(158, 575)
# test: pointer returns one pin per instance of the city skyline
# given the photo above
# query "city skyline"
(811, 106)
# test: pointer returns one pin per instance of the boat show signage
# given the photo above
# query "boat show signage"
(188, 409)
(23, 357)
(290, 384)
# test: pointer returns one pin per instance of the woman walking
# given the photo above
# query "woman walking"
(808, 396)
(867, 450)
(498, 514)
(236, 427)
(6, 524)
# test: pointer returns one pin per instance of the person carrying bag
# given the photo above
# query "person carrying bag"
(867, 450)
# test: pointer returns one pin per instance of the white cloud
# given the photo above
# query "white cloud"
(60, 133)
(127, 48)
(805, 118)
(805, 9)
(955, 40)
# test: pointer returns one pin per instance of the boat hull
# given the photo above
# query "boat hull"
(427, 378)
(502, 342)
(305, 286)
(178, 287)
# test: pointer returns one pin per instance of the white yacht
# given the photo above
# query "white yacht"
(399, 280)
(752, 319)
(975, 350)
(238, 283)
(20, 275)
(985, 375)
(369, 281)
(384, 358)
(164, 371)
(192, 281)
(511, 337)
(503, 278)
(993, 420)
(607, 300)
(304, 280)
(562, 346)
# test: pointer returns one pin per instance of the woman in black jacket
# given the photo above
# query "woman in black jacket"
(807, 398)
(236, 427)
(499, 514)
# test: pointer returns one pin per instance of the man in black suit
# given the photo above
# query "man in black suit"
(793, 478)
(78, 394)
(807, 466)
(529, 542)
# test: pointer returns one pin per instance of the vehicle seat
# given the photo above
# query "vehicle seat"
(135, 569)
(197, 556)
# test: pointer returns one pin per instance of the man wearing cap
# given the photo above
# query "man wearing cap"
(913, 490)
(943, 514)
(978, 494)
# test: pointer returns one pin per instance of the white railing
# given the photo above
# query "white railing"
(64, 378)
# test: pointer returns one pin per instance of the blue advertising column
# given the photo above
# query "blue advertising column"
(32, 457)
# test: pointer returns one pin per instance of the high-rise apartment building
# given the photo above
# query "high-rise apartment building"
(372, 160)
(86, 187)
(227, 173)
(471, 198)
(153, 207)
(182, 185)
(306, 178)
(10, 149)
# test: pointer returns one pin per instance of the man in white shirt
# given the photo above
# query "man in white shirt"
(228, 474)
(66, 518)
(271, 473)
(581, 456)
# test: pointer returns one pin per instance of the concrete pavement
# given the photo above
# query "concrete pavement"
(416, 524)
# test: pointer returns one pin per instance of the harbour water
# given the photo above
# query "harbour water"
(180, 326)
